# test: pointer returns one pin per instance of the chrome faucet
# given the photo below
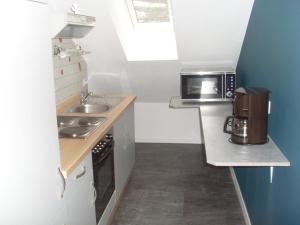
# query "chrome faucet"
(84, 94)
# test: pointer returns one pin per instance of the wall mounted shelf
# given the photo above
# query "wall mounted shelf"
(68, 52)
(219, 151)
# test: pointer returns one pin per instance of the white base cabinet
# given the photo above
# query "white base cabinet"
(124, 148)
(79, 195)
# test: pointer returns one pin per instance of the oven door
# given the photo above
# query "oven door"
(104, 179)
(202, 87)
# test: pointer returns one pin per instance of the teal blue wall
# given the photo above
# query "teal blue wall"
(270, 58)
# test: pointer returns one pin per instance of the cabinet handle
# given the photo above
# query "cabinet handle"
(81, 174)
(63, 181)
(95, 193)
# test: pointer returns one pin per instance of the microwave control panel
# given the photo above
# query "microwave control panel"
(229, 84)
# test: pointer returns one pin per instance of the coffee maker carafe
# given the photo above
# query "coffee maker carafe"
(249, 123)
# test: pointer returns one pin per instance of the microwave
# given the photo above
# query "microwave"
(207, 85)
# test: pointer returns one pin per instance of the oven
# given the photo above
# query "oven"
(103, 169)
(207, 85)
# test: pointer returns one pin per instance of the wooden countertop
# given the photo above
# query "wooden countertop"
(72, 151)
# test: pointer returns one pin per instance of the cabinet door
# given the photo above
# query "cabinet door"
(79, 195)
(29, 158)
(124, 148)
(120, 161)
(130, 137)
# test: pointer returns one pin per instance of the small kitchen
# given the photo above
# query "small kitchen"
(131, 112)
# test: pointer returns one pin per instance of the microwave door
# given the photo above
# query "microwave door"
(209, 87)
(202, 87)
(194, 89)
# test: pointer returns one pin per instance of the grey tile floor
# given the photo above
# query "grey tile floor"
(172, 185)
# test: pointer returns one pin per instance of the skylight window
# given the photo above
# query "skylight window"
(149, 11)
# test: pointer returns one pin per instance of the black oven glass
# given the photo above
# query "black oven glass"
(201, 86)
(104, 179)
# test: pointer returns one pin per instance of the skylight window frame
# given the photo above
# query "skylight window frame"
(148, 25)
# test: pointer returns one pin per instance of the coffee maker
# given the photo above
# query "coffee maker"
(249, 123)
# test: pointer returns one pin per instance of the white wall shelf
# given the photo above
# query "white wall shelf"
(219, 151)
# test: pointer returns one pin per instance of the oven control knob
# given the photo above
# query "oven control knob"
(229, 94)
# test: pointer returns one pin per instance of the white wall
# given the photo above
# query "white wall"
(121, 20)
(69, 72)
(157, 123)
(107, 60)
(29, 161)
(154, 81)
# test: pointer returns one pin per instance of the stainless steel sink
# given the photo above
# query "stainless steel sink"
(96, 104)
(76, 126)
(90, 108)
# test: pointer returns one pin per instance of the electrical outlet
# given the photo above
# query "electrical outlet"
(269, 108)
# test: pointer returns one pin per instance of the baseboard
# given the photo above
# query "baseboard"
(240, 197)
(168, 140)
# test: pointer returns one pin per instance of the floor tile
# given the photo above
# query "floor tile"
(172, 184)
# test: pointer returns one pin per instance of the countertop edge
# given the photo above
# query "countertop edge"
(250, 164)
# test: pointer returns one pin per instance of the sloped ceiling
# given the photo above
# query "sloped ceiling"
(154, 81)
(208, 32)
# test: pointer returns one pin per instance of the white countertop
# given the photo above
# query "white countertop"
(220, 152)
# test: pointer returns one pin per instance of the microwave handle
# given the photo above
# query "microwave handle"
(226, 124)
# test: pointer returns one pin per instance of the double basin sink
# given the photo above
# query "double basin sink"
(82, 124)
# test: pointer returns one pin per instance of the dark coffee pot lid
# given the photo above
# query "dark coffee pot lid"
(241, 90)
(251, 90)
